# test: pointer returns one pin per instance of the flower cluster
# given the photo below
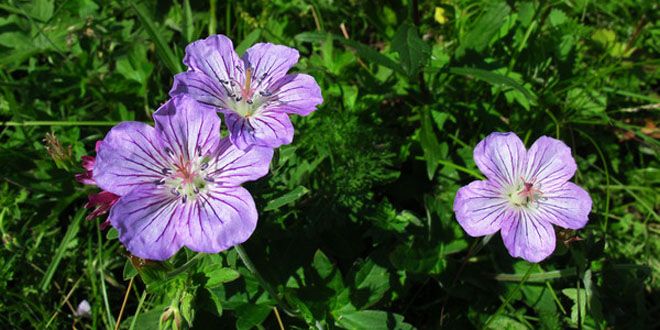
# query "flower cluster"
(179, 183)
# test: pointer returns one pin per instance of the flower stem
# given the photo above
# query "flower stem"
(250, 266)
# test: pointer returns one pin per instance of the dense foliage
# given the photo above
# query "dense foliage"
(356, 226)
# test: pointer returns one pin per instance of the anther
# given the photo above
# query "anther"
(166, 171)
(196, 190)
(159, 182)
(249, 101)
(169, 152)
(238, 98)
(204, 166)
(199, 151)
(265, 93)
(175, 192)
(184, 199)
(209, 179)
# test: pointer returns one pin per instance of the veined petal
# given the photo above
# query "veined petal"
(219, 220)
(268, 129)
(567, 206)
(187, 127)
(501, 157)
(232, 166)
(200, 87)
(269, 62)
(296, 93)
(480, 208)
(528, 236)
(215, 57)
(131, 155)
(549, 161)
(147, 220)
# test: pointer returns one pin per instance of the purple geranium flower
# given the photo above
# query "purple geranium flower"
(254, 92)
(526, 192)
(179, 183)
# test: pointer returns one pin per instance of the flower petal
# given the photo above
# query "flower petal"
(219, 220)
(568, 206)
(549, 161)
(480, 208)
(147, 220)
(296, 93)
(201, 88)
(233, 166)
(269, 129)
(528, 236)
(269, 62)
(501, 157)
(187, 127)
(215, 57)
(131, 155)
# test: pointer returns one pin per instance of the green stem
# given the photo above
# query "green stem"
(59, 123)
(508, 298)
(250, 266)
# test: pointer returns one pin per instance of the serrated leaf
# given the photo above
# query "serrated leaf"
(250, 315)
(371, 283)
(221, 275)
(413, 51)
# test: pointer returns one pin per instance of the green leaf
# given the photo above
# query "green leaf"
(287, 198)
(188, 27)
(579, 304)
(129, 270)
(248, 41)
(413, 51)
(362, 50)
(112, 234)
(371, 320)
(586, 101)
(371, 283)
(220, 276)
(433, 150)
(486, 26)
(250, 315)
(164, 51)
(495, 79)
(506, 323)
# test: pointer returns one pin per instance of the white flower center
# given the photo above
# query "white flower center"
(524, 193)
(247, 99)
(186, 178)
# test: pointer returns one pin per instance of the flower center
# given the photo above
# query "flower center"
(524, 193)
(186, 177)
(247, 98)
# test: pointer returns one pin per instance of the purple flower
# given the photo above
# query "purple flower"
(526, 192)
(179, 183)
(254, 92)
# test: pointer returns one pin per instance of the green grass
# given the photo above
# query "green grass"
(356, 227)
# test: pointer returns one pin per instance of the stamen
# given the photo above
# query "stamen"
(184, 199)
(175, 192)
(204, 166)
(196, 190)
(265, 93)
(238, 98)
(166, 171)
(249, 101)
(159, 182)
(199, 151)
(209, 179)
(169, 152)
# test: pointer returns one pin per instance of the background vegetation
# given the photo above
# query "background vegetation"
(356, 224)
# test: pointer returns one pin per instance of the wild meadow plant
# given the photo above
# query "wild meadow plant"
(382, 211)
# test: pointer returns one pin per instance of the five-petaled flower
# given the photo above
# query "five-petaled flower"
(254, 92)
(179, 183)
(526, 192)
